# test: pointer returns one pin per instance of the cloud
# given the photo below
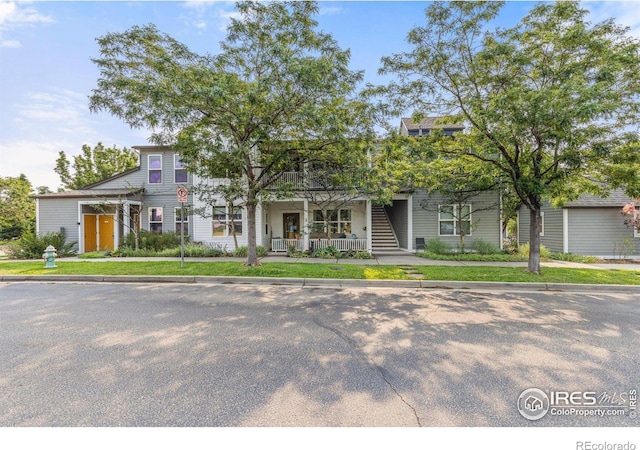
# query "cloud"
(14, 15)
(329, 10)
(203, 13)
(624, 13)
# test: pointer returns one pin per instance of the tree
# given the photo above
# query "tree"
(278, 89)
(545, 102)
(93, 165)
(17, 207)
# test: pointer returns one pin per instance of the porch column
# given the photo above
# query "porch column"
(126, 219)
(305, 225)
(369, 234)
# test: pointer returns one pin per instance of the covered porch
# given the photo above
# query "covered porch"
(303, 225)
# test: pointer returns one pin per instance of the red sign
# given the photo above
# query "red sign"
(183, 195)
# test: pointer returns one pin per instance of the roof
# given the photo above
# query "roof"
(91, 193)
(616, 199)
(428, 123)
(113, 177)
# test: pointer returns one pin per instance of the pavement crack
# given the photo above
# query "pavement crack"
(379, 369)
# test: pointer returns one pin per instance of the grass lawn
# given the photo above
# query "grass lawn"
(324, 270)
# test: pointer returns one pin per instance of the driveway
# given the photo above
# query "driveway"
(217, 355)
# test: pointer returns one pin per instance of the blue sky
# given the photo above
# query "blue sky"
(46, 73)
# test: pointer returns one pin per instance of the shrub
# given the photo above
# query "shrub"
(326, 253)
(153, 241)
(438, 247)
(31, 246)
(355, 254)
(241, 252)
(484, 248)
(523, 250)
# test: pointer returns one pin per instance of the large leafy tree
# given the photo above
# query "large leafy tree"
(545, 102)
(93, 165)
(278, 90)
(17, 207)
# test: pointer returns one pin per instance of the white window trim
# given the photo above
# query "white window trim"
(636, 232)
(456, 232)
(176, 158)
(541, 223)
(161, 222)
(229, 218)
(339, 222)
(149, 169)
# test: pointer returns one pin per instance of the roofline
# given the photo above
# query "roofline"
(113, 177)
(151, 147)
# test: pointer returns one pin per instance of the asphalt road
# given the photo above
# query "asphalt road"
(219, 355)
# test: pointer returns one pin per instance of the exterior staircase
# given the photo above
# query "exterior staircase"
(382, 235)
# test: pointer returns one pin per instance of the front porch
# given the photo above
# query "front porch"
(299, 224)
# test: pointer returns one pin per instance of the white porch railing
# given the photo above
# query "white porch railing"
(282, 245)
(343, 245)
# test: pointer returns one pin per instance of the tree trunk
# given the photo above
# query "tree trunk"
(252, 257)
(534, 241)
(232, 224)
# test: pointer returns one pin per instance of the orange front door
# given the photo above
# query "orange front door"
(106, 232)
(90, 233)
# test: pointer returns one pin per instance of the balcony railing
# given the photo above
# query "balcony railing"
(302, 180)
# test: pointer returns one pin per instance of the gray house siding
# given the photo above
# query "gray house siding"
(399, 221)
(600, 232)
(552, 238)
(486, 223)
(161, 195)
(57, 214)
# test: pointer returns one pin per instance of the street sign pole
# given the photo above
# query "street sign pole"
(183, 197)
(181, 234)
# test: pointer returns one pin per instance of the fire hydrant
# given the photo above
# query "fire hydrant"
(49, 257)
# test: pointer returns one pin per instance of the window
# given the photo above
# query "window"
(222, 222)
(155, 220)
(338, 221)
(541, 224)
(155, 169)
(179, 172)
(451, 217)
(178, 212)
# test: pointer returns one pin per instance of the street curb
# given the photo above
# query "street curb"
(328, 283)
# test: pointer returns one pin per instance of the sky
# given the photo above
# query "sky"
(46, 73)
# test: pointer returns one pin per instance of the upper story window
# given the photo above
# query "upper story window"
(179, 171)
(155, 169)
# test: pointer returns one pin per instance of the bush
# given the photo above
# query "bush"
(31, 246)
(241, 252)
(438, 247)
(326, 253)
(153, 241)
(523, 250)
(484, 248)
(355, 254)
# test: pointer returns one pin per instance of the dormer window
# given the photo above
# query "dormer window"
(155, 169)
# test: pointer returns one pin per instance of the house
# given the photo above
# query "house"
(590, 225)
(100, 215)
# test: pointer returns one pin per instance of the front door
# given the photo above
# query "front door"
(90, 233)
(291, 223)
(106, 232)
